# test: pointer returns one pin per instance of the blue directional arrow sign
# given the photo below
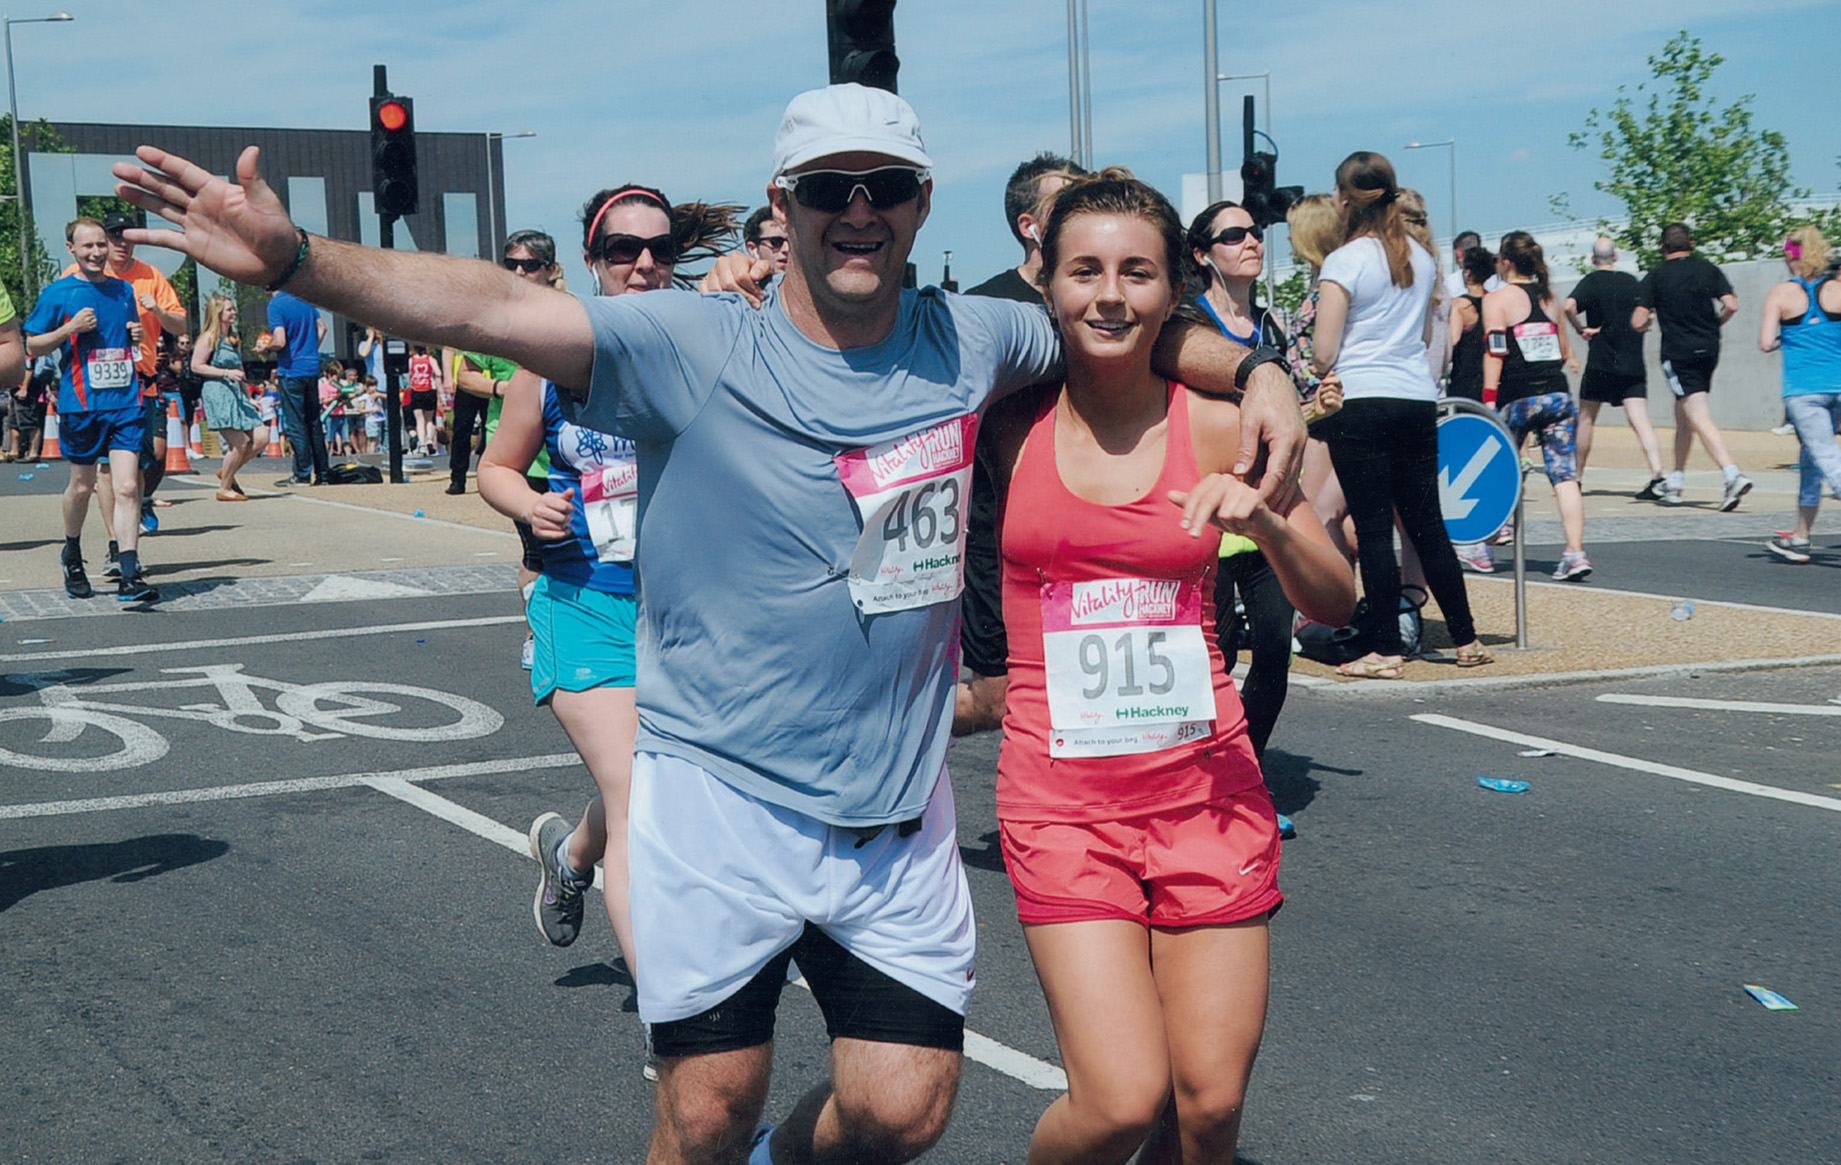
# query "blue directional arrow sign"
(1479, 476)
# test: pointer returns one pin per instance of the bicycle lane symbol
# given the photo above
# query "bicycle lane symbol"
(305, 712)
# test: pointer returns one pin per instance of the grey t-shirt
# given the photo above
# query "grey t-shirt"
(754, 661)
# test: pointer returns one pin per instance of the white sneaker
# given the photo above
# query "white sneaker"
(1574, 566)
(1737, 488)
(1477, 557)
(527, 654)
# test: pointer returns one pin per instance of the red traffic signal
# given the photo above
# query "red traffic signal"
(393, 156)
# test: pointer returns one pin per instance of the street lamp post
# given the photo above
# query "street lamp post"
(492, 191)
(1451, 144)
(19, 165)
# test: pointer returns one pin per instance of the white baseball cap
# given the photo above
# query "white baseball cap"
(843, 119)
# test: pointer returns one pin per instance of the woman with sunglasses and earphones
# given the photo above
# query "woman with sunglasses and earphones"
(1230, 253)
(581, 608)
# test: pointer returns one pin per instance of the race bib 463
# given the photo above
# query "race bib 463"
(911, 497)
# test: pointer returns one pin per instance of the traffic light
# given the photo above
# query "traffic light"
(861, 34)
(1266, 202)
(393, 155)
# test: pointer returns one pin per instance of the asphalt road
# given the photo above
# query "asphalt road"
(344, 968)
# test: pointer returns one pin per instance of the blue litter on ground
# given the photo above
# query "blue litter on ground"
(42, 465)
(421, 641)
(27, 476)
(1769, 998)
(1498, 785)
(418, 513)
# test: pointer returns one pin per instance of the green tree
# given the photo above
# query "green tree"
(1678, 157)
(41, 137)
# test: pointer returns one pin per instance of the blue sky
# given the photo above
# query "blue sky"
(685, 94)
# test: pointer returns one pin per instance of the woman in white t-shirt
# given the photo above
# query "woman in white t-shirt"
(1372, 328)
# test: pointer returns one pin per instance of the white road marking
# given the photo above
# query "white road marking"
(339, 588)
(1629, 762)
(982, 1049)
(242, 640)
(1017, 1065)
(516, 764)
(1721, 705)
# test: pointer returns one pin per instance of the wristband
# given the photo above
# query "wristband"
(496, 386)
(1254, 358)
(293, 268)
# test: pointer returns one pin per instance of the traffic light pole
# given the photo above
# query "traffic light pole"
(393, 393)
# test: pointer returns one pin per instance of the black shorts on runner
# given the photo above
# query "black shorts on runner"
(1690, 375)
(858, 1003)
(1611, 388)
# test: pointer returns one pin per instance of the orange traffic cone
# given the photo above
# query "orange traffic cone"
(49, 450)
(195, 437)
(269, 418)
(176, 459)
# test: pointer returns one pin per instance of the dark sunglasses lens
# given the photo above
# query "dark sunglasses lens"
(830, 193)
(1232, 235)
(526, 265)
(626, 249)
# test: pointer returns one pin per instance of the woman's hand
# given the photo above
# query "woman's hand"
(550, 516)
(1327, 401)
(1227, 503)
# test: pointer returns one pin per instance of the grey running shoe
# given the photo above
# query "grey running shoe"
(558, 905)
(1737, 488)
(1669, 495)
(1788, 548)
(1476, 557)
(111, 566)
(1651, 492)
(76, 582)
(650, 1069)
(1574, 566)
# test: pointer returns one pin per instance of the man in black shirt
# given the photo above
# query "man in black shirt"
(1614, 367)
(983, 646)
(1681, 294)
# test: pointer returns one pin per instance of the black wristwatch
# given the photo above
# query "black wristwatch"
(1254, 358)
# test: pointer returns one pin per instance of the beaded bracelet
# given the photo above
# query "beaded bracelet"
(300, 257)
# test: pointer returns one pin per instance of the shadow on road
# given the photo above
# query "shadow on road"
(602, 975)
(1289, 780)
(27, 871)
(991, 857)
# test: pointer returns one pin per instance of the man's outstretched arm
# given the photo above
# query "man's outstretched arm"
(243, 231)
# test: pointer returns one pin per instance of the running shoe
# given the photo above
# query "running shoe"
(1670, 495)
(134, 588)
(558, 905)
(1476, 557)
(1788, 548)
(1503, 536)
(1574, 566)
(650, 1068)
(111, 567)
(149, 523)
(76, 582)
(527, 655)
(758, 1153)
(1651, 492)
(1286, 827)
(1783, 430)
(1737, 488)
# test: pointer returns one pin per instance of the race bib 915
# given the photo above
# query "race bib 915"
(911, 497)
(1127, 666)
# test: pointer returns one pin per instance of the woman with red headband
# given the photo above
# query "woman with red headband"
(582, 608)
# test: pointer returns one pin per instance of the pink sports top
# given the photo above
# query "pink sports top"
(1119, 703)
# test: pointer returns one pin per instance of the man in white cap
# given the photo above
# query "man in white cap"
(789, 796)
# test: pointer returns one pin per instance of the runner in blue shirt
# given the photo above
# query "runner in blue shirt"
(91, 320)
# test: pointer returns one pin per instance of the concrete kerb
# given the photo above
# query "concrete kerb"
(1367, 688)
